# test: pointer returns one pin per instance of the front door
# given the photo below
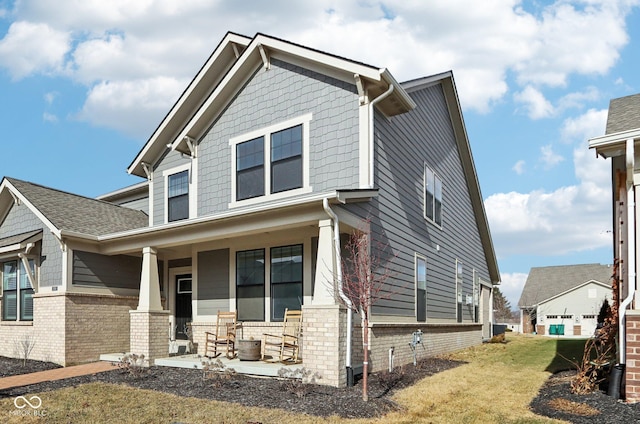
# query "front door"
(183, 305)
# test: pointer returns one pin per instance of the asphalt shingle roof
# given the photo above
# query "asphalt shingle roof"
(546, 282)
(624, 114)
(84, 215)
(18, 238)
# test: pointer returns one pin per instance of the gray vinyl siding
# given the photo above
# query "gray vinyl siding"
(20, 220)
(213, 281)
(272, 96)
(403, 145)
(95, 270)
(137, 204)
(170, 160)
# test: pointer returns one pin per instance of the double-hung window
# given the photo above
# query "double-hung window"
(17, 293)
(178, 196)
(286, 280)
(250, 285)
(421, 288)
(272, 162)
(432, 196)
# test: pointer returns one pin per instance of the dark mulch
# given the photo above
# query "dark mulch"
(261, 392)
(555, 400)
(9, 366)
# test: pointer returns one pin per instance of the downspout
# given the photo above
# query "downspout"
(345, 299)
(631, 250)
(372, 103)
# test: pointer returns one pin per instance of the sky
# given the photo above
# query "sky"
(83, 84)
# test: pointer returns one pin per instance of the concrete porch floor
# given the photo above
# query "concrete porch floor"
(256, 368)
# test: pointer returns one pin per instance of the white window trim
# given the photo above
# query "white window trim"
(193, 188)
(36, 276)
(424, 195)
(266, 132)
(417, 257)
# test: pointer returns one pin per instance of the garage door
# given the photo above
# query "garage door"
(589, 323)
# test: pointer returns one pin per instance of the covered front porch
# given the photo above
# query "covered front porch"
(257, 264)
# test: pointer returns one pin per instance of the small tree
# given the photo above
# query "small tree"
(363, 279)
(501, 306)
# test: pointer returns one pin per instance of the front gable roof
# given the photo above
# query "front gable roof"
(544, 283)
(64, 212)
(259, 51)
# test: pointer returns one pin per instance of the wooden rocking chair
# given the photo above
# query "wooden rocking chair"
(224, 338)
(285, 346)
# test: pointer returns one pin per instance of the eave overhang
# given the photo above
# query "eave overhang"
(226, 224)
(612, 145)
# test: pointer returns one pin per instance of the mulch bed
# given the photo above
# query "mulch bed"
(10, 366)
(260, 392)
(555, 400)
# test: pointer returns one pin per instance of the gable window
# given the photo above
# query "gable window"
(432, 196)
(250, 285)
(17, 298)
(286, 280)
(178, 196)
(421, 288)
(286, 159)
(272, 162)
(250, 169)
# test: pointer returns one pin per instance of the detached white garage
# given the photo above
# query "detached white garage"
(565, 300)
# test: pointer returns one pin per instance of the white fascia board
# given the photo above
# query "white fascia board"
(613, 144)
(8, 186)
(398, 90)
(298, 201)
(227, 41)
(123, 190)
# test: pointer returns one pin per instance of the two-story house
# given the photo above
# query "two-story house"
(273, 154)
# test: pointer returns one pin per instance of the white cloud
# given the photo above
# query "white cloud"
(518, 168)
(511, 286)
(535, 104)
(548, 157)
(590, 124)
(100, 43)
(135, 105)
(50, 97)
(570, 219)
(33, 47)
(49, 117)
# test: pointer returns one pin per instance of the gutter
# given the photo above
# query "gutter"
(371, 134)
(345, 299)
(631, 251)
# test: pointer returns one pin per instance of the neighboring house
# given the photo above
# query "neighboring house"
(620, 144)
(273, 154)
(564, 300)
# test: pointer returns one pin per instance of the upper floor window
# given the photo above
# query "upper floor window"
(271, 162)
(17, 293)
(178, 196)
(432, 196)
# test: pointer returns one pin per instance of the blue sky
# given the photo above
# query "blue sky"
(83, 84)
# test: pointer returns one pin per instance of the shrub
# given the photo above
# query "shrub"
(498, 339)
(217, 372)
(135, 365)
(298, 381)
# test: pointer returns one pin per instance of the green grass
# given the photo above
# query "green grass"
(495, 386)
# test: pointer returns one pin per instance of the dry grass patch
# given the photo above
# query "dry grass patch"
(575, 408)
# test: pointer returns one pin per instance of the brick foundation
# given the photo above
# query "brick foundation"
(149, 334)
(325, 341)
(577, 330)
(540, 329)
(632, 370)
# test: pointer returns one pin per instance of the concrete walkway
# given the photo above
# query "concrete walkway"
(55, 374)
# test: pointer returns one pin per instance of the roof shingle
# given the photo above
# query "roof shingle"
(71, 212)
(624, 114)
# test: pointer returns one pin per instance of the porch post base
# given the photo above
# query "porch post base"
(325, 343)
(149, 334)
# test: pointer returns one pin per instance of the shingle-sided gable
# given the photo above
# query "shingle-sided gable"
(624, 114)
(546, 282)
(78, 214)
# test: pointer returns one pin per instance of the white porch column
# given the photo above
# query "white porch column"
(324, 292)
(149, 282)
